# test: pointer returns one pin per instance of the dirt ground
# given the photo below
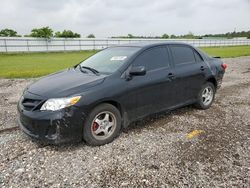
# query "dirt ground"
(155, 152)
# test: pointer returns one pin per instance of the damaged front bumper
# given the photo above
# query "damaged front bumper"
(53, 127)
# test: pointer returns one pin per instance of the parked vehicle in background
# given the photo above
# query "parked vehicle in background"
(95, 99)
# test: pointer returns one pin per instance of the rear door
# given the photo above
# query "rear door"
(189, 73)
(151, 93)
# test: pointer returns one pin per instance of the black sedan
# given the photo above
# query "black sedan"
(94, 100)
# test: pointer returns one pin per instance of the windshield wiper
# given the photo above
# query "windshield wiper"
(89, 68)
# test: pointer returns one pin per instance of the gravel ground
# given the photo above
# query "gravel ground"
(155, 152)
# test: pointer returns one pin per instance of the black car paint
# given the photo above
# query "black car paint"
(135, 97)
(65, 83)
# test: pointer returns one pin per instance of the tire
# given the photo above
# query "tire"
(102, 125)
(203, 102)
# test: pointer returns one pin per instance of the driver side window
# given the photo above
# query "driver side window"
(154, 58)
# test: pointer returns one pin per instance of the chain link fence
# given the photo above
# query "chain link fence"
(25, 44)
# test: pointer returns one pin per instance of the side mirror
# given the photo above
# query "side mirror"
(137, 71)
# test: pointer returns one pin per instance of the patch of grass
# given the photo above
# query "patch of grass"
(28, 65)
(228, 51)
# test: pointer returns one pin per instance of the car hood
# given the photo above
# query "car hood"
(64, 83)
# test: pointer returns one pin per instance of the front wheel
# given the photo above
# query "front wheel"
(102, 125)
(206, 96)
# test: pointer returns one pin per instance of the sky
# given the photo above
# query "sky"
(106, 18)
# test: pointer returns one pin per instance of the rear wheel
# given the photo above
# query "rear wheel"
(206, 96)
(102, 125)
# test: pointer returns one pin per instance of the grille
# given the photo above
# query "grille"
(31, 104)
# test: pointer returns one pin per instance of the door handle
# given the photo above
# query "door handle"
(202, 68)
(171, 76)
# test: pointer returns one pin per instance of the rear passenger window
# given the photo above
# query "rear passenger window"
(153, 58)
(197, 57)
(182, 54)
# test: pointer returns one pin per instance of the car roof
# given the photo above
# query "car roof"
(149, 44)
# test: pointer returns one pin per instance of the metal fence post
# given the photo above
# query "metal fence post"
(28, 45)
(64, 47)
(47, 45)
(5, 44)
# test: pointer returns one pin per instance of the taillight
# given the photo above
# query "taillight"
(224, 66)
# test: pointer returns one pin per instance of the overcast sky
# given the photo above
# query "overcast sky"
(106, 18)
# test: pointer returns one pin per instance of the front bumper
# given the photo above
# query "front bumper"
(56, 127)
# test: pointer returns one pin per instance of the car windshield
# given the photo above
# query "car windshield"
(109, 60)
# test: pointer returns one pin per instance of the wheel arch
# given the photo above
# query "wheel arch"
(212, 80)
(114, 103)
(124, 116)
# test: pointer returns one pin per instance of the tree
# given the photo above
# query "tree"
(91, 36)
(8, 33)
(57, 34)
(247, 34)
(173, 36)
(130, 36)
(165, 36)
(190, 35)
(67, 34)
(44, 32)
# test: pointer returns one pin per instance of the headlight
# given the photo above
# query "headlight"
(59, 103)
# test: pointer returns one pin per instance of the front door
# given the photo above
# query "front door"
(152, 92)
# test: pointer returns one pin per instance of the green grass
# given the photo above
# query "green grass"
(28, 65)
(228, 51)
(38, 64)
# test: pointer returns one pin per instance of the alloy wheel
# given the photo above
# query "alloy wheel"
(103, 125)
(207, 95)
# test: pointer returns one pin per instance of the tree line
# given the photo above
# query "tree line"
(190, 35)
(44, 32)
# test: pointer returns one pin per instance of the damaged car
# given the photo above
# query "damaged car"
(97, 98)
